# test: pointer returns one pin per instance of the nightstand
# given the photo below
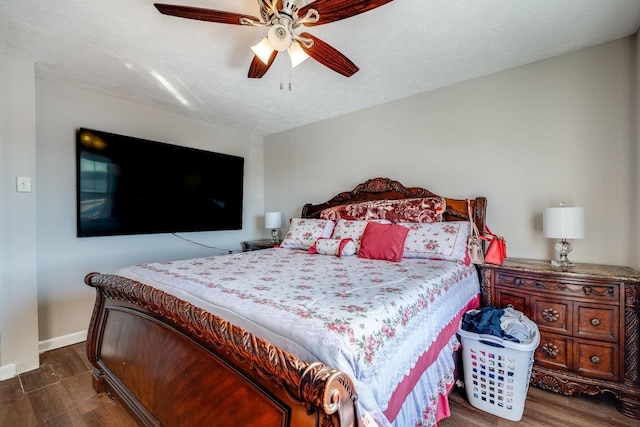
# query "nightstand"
(254, 245)
(589, 322)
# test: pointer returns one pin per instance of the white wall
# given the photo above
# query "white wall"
(18, 286)
(64, 302)
(558, 130)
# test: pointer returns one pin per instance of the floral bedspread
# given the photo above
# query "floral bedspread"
(371, 319)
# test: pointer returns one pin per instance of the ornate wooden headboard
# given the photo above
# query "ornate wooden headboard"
(387, 189)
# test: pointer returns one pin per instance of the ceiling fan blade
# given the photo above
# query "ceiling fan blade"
(201, 14)
(257, 69)
(329, 56)
(335, 10)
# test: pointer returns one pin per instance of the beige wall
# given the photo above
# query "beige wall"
(64, 302)
(18, 287)
(558, 130)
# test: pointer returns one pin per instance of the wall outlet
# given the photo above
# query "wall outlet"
(23, 184)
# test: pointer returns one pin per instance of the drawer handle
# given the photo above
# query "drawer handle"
(551, 315)
(550, 350)
(595, 322)
(595, 360)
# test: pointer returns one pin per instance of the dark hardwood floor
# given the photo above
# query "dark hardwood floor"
(60, 393)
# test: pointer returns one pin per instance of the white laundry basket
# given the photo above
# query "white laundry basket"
(497, 372)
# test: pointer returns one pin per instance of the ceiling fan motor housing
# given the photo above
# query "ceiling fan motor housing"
(290, 7)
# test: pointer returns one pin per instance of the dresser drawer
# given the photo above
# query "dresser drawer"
(595, 359)
(596, 321)
(554, 351)
(553, 284)
(553, 316)
(506, 296)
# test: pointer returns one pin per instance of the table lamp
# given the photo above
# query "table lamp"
(273, 221)
(563, 223)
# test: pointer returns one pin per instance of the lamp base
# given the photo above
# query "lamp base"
(563, 247)
(274, 235)
(560, 263)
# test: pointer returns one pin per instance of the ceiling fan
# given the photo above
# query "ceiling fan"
(283, 17)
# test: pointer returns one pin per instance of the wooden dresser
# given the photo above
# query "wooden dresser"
(589, 322)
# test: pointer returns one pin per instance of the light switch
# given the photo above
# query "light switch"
(23, 184)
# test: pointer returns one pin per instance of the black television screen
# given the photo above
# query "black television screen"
(128, 185)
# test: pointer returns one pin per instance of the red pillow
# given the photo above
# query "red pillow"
(383, 241)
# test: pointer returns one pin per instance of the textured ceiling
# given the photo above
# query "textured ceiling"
(125, 48)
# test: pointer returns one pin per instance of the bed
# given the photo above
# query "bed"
(177, 343)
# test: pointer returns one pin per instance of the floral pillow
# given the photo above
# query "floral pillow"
(352, 229)
(427, 209)
(303, 232)
(441, 240)
(337, 247)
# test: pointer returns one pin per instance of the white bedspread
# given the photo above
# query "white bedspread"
(371, 319)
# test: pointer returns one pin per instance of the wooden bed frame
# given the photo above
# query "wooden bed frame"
(171, 363)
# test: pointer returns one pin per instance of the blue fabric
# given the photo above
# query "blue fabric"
(486, 321)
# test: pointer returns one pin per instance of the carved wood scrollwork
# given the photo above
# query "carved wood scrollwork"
(317, 386)
(550, 350)
(568, 386)
(590, 290)
(485, 287)
(632, 333)
(550, 315)
(632, 295)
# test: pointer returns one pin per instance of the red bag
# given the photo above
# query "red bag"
(497, 250)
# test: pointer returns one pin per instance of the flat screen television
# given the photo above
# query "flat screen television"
(128, 185)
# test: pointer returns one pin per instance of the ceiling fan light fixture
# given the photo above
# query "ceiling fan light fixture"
(263, 50)
(297, 54)
(279, 37)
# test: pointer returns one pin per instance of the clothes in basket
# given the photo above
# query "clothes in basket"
(506, 323)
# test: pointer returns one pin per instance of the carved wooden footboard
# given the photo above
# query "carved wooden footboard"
(171, 363)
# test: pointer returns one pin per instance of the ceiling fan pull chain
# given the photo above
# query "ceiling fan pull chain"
(281, 84)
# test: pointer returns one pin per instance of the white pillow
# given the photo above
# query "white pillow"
(437, 240)
(337, 247)
(304, 232)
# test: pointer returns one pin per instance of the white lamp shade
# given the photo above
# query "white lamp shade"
(272, 220)
(263, 50)
(563, 223)
(297, 54)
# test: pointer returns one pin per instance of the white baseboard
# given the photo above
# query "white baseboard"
(8, 371)
(63, 341)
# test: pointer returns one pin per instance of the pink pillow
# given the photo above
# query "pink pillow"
(383, 241)
(352, 229)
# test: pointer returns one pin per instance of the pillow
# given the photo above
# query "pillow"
(427, 209)
(337, 247)
(440, 240)
(303, 232)
(383, 241)
(352, 229)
